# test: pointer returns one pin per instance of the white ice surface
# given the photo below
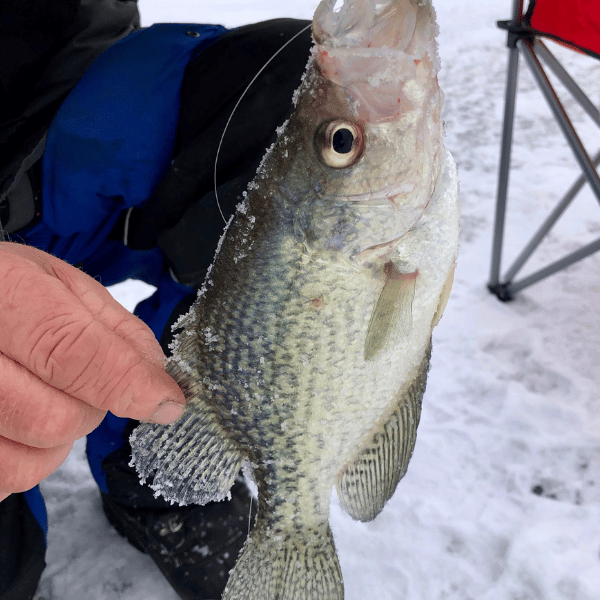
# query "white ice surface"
(512, 400)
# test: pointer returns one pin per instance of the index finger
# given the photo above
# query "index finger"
(98, 300)
(77, 338)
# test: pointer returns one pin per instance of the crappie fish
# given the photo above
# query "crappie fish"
(306, 353)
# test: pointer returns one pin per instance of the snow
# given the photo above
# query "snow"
(502, 497)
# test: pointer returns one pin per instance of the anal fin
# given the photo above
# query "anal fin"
(367, 483)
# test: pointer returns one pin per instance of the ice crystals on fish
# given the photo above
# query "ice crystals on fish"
(304, 360)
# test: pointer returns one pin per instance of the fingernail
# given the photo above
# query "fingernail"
(167, 412)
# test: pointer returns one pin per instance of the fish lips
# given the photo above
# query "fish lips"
(377, 50)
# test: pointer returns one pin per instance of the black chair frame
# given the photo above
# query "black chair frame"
(522, 40)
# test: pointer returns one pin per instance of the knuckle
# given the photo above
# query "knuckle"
(15, 280)
(116, 393)
(16, 476)
(62, 349)
(32, 412)
(46, 427)
(107, 378)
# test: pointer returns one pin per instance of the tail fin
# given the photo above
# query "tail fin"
(276, 567)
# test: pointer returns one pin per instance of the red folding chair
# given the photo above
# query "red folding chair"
(576, 24)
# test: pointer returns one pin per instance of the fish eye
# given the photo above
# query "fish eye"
(342, 140)
(339, 143)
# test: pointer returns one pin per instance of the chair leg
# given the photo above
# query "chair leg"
(547, 225)
(569, 83)
(506, 289)
(562, 118)
(563, 263)
(494, 284)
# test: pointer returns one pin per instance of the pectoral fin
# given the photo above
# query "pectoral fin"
(393, 310)
(367, 483)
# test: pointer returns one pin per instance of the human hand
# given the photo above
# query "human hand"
(68, 354)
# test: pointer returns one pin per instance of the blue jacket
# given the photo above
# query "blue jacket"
(108, 146)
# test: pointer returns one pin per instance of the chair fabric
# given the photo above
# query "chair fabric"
(575, 22)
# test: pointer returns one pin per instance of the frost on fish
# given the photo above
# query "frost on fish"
(305, 356)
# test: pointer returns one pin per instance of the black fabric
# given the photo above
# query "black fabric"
(45, 47)
(122, 481)
(182, 215)
(194, 547)
(4, 213)
(31, 31)
(22, 549)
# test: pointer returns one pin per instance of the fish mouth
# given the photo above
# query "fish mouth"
(377, 49)
(367, 24)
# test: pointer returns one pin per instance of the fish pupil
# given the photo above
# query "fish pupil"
(342, 141)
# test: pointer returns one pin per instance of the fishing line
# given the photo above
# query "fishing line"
(4, 237)
(250, 515)
(235, 108)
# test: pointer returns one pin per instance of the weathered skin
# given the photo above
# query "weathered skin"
(307, 350)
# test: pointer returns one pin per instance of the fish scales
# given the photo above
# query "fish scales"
(276, 356)
(306, 353)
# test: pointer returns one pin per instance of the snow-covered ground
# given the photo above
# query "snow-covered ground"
(502, 497)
